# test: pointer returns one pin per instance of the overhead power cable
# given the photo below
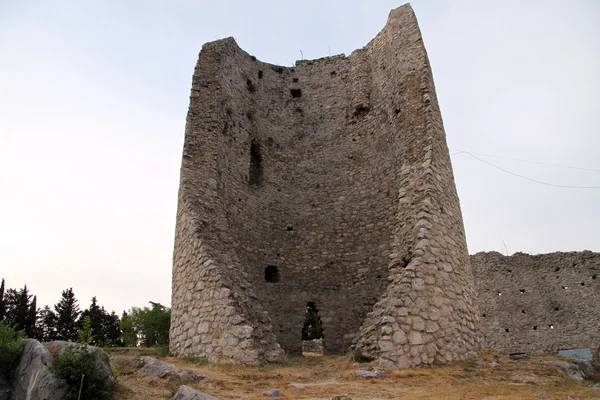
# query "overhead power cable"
(525, 177)
(527, 161)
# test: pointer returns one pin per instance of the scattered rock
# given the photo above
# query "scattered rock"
(575, 369)
(187, 393)
(156, 369)
(370, 373)
(482, 363)
(32, 379)
(297, 385)
(596, 386)
(272, 393)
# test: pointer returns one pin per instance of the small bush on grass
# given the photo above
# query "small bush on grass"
(84, 373)
(11, 346)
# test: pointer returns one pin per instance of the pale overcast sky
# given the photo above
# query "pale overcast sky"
(94, 95)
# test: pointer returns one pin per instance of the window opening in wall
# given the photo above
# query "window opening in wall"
(523, 311)
(289, 228)
(522, 291)
(535, 328)
(582, 284)
(255, 173)
(272, 274)
(312, 331)
(260, 74)
(593, 276)
(296, 92)
(507, 330)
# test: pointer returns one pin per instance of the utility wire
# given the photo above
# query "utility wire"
(527, 161)
(525, 177)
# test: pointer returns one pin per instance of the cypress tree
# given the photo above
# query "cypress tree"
(2, 302)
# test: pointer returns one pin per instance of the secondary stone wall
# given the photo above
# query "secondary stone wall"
(313, 346)
(538, 303)
(327, 183)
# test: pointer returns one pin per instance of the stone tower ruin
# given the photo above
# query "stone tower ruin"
(330, 184)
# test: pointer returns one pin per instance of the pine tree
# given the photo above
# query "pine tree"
(67, 313)
(113, 330)
(31, 330)
(47, 325)
(2, 302)
(16, 308)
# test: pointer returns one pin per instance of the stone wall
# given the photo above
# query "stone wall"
(538, 303)
(327, 183)
(313, 346)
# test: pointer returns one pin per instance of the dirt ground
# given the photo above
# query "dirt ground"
(331, 376)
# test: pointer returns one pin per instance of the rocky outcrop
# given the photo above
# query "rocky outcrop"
(32, 378)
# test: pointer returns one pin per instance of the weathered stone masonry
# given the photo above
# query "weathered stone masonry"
(327, 183)
(538, 303)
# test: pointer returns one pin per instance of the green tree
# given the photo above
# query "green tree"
(152, 324)
(97, 318)
(129, 332)
(104, 325)
(67, 313)
(86, 335)
(21, 311)
(47, 325)
(112, 329)
(11, 345)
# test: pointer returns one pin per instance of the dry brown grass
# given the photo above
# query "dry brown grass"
(329, 376)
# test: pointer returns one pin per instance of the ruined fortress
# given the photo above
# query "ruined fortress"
(328, 185)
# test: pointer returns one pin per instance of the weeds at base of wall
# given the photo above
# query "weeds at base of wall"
(359, 357)
(162, 351)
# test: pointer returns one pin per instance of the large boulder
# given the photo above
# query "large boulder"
(575, 369)
(32, 378)
(156, 369)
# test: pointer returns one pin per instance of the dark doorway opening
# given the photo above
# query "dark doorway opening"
(272, 274)
(312, 332)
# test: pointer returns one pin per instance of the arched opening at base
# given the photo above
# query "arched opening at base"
(312, 332)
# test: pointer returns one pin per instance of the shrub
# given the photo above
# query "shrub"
(85, 374)
(11, 346)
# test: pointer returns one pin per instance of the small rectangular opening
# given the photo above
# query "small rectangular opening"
(272, 274)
